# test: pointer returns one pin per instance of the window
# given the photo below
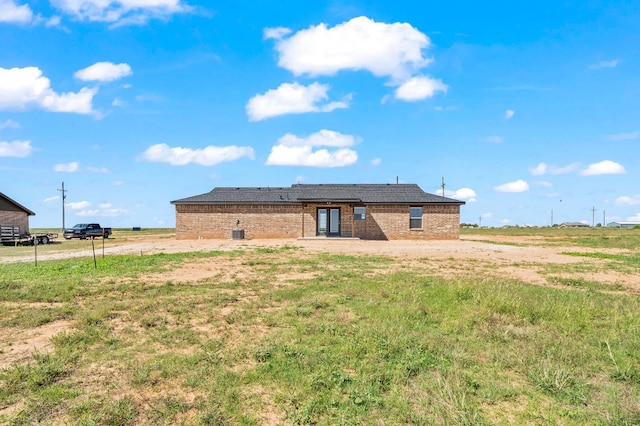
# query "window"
(415, 217)
(359, 213)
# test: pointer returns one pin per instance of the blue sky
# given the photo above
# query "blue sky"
(525, 108)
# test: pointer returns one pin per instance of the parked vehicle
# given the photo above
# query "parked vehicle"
(86, 230)
(11, 236)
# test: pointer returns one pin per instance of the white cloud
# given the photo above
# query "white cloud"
(117, 183)
(322, 138)
(103, 71)
(97, 169)
(292, 98)
(15, 149)
(418, 88)
(494, 139)
(21, 88)
(149, 97)
(208, 156)
(508, 114)
(105, 210)
(276, 33)
(538, 170)
(393, 50)
(543, 168)
(487, 215)
(376, 162)
(54, 21)
(292, 150)
(445, 109)
(51, 199)
(465, 194)
(604, 64)
(9, 124)
(121, 12)
(635, 218)
(78, 205)
(626, 200)
(605, 167)
(14, 13)
(68, 167)
(118, 103)
(517, 186)
(623, 136)
(10, 12)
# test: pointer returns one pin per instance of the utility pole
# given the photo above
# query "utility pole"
(480, 221)
(442, 186)
(64, 197)
(593, 216)
(604, 218)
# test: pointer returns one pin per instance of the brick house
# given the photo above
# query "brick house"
(365, 211)
(14, 217)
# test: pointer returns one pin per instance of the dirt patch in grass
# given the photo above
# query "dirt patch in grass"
(517, 257)
(17, 345)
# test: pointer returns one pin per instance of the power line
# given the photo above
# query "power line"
(64, 197)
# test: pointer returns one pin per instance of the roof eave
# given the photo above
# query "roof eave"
(20, 206)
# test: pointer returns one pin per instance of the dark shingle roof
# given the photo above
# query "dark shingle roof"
(300, 193)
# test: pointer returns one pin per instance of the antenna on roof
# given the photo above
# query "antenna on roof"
(397, 179)
(443, 186)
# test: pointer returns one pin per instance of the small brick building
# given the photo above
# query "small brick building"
(14, 218)
(365, 211)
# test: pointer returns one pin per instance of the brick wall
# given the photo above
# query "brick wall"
(15, 218)
(258, 221)
(293, 221)
(392, 223)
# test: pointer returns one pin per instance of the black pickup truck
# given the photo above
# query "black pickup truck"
(86, 230)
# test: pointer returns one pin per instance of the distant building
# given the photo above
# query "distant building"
(14, 217)
(573, 225)
(628, 224)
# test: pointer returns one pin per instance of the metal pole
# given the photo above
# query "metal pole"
(35, 250)
(64, 197)
(95, 265)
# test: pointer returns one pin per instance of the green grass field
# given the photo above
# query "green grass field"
(282, 336)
